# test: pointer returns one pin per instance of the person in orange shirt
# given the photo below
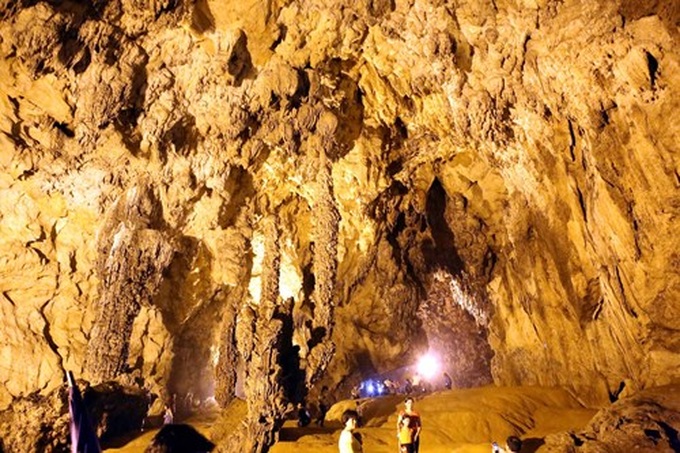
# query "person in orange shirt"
(414, 424)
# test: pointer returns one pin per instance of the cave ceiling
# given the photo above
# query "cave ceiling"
(283, 194)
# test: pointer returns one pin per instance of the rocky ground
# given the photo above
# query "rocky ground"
(467, 421)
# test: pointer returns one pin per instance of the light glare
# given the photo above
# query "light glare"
(428, 366)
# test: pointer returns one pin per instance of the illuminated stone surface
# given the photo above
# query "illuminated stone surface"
(330, 187)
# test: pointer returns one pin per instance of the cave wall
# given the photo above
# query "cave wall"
(513, 164)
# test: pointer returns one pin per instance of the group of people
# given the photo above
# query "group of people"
(409, 427)
(408, 430)
(412, 385)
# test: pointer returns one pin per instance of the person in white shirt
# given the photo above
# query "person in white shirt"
(350, 442)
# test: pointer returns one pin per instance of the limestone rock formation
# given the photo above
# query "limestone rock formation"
(39, 422)
(647, 421)
(201, 198)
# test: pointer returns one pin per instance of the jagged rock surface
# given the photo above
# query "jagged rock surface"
(501, 176)
(648, 421)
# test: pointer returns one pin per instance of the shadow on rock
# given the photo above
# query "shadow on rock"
(531, 444)
(179, 439)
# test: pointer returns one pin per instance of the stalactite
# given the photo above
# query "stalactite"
(258, 338)
(326, 221)
(131, 274)
(225, 373)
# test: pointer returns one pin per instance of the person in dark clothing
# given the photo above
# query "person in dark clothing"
(304, 418)
(324, 405)
(448, 382)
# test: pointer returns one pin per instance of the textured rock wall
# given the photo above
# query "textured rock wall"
(500, 176)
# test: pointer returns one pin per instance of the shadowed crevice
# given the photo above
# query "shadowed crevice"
(443, 252)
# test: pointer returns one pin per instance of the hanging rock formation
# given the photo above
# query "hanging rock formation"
(202, 197)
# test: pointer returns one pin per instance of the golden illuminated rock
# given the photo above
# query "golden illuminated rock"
(206, 198)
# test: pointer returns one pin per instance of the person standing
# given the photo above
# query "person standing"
(417, 381)
(415, 424)
(304, 418)
(355, 393)
(350, 442)
(448, 382)
(405, 435)
(168, 416)
(324, 405)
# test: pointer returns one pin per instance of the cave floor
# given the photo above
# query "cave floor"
(137, 443)
(464, 420)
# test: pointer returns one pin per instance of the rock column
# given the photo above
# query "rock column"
(131, 272)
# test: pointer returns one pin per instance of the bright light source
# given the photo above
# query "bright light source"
(370, 389)
(428, 366)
